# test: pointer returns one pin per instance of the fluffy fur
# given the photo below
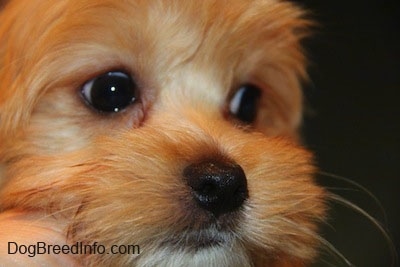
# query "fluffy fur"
(117, 178)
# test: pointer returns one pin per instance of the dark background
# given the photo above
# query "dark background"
(353, 121)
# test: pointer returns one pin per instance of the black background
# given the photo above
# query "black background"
(353, 121)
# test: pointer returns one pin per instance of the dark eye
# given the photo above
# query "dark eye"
(244, 103)
(110, 92)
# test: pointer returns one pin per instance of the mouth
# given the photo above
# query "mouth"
(199, 240)
(201, 247)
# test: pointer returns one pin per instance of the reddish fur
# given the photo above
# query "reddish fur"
(118, 178)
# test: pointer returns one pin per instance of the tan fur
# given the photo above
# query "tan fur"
(117, 179)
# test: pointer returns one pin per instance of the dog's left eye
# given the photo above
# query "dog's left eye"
(110, 92)
(244, 103)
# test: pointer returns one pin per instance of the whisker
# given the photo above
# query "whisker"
(330, 188)
(340, 200)
(327, 263)
(382, 230)
(362, 188)
(332, 250)
(55, 213)
(327, 246)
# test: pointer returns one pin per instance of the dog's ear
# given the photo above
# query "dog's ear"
(7, 69)
(22, 23)
(8, 63)
(3, 48)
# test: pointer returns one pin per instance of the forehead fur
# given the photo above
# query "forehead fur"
(70, 37)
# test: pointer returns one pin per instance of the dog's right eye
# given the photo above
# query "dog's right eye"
(110, 92)
(244, 103)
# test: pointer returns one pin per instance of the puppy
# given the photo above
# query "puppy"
(172, 125)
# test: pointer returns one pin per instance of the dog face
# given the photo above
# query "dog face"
(168, 124)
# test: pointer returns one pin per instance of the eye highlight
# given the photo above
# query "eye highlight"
(110, 92)
(244, 103)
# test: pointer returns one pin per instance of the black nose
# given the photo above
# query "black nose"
(218, 187)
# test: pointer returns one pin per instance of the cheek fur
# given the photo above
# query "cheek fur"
(135, 177)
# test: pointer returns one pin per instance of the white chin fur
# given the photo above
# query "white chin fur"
(218, 256)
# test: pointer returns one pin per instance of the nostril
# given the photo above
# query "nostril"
(218, 187)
